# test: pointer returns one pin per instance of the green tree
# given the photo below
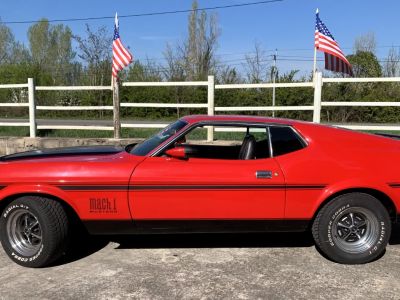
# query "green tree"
(6, 43)
(365, 43)
(391, 63)
(365, 64)
(20, 54)
(196, 55)
(95, 51)
(51, 49)
(256, 65)
(229, 75)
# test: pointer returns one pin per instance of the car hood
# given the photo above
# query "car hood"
(98, 165)
(63, 152)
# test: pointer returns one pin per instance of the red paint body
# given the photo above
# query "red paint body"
(338, 159)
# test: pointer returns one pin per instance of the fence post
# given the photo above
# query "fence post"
(210, 102)
(317, 97)
(32, 108)
(116, 105)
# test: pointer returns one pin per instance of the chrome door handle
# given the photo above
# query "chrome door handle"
(262, 174)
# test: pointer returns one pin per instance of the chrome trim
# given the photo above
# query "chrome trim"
(298, 134)
(24, 232)
(271, 150)
(263, 174)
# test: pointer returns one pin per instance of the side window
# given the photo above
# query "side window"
(230, 142)
(284, 140)
(262, 141)
(222, 136)
(196, 135)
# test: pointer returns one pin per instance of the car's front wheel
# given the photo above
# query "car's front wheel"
(353, 228)
(34, 231)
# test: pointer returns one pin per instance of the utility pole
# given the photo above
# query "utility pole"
(273, 81)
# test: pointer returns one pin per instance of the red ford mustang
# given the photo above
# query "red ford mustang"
(260, 174)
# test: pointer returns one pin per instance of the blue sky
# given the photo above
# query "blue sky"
(287, 26)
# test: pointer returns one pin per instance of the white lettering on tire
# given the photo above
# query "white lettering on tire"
(330, 240)
(8, 210)
(27, 259)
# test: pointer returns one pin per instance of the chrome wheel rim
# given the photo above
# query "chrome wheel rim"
(355, 230)
(24, 232)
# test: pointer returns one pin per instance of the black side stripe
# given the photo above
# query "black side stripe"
(223, 187)
(2, 187)
(206, 187)
(94, 187)
(189, 187)
(394, 185)
(305, 187)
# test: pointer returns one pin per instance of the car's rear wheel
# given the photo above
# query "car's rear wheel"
(34, 231)
(353, 228)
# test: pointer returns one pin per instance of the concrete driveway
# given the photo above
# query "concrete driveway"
(223, 266)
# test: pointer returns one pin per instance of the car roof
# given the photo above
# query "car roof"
(308, 130)
(240, 119)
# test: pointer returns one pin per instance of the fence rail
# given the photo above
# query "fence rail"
(14, 86)
(73, 88)
(262, 85)
(316, 84)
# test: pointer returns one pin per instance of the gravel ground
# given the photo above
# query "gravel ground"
(228, 266)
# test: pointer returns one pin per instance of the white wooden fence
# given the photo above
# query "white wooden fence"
(317, 85)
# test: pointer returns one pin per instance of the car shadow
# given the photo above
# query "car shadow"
(226, 240)
(214, 240)
(395, 237)
(80, 247)
(86, 245)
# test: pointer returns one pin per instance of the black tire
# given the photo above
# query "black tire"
(352, 228)
(34, 231)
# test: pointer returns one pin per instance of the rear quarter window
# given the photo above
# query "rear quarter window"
(284, 140)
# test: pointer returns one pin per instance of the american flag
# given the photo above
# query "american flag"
(121, 55)
(335, 60)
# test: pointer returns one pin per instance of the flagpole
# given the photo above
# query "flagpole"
(116, 108)
(273, 81)
(115, 93)
(315, 50)
(315, 61)
(121, 59)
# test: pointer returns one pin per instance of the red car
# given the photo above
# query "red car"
(261, 174)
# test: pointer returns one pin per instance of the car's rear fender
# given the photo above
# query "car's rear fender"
(390, 197)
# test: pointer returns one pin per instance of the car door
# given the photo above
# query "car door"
(165, 188)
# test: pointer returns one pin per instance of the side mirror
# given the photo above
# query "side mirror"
(177, 152)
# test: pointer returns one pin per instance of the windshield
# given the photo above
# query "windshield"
(148, 145)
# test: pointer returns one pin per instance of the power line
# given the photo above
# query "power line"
(150, 13)
(266, 50)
